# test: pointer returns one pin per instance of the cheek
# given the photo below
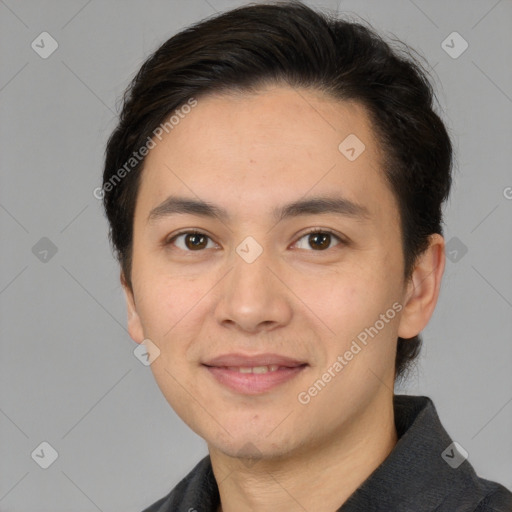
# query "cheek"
(343, 300)
(174, 312)
(349, 303)
(166, 305)
(169, 313)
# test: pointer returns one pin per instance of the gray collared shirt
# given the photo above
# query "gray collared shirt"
(423, 473)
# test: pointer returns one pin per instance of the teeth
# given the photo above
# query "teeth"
(260, 369)
(254, 369)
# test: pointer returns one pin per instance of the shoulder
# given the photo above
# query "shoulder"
(426, 470)
(497, 497)
(477, 495)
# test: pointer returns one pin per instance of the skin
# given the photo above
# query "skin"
(249, 154)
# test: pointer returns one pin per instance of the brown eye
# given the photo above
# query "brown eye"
(318, 240)
(190, 241)
(195, 241)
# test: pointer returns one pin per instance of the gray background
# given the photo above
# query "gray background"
(68, 375)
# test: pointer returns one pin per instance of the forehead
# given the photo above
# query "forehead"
(247, 150)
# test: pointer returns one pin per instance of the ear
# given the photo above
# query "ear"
(423, 289)
(134, 324)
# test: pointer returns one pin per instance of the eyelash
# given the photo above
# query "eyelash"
(341, 240)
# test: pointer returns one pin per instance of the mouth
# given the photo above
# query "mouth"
(253, 375)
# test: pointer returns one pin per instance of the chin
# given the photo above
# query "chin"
(253, 446)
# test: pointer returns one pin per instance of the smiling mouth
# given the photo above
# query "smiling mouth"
(251, 375)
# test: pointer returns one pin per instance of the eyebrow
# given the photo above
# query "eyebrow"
(313, 206)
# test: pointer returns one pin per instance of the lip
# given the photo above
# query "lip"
(221, 368)
(254, 360)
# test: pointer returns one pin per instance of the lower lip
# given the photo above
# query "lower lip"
(253, 383)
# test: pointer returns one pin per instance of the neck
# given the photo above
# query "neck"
(320, 478)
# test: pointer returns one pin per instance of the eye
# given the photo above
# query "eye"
(190, 241)
(318, 240)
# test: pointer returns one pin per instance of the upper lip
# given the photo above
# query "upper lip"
(233, 359)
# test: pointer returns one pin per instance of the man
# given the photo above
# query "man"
(274, 191)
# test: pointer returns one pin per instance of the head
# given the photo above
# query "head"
(260, 108)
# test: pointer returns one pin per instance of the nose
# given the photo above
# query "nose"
(253, 298)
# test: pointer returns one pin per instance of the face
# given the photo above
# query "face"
(256, 318)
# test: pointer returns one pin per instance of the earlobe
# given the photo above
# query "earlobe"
(134, 324)
(423, 289)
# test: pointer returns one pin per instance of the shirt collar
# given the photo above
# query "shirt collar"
(415, 475)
